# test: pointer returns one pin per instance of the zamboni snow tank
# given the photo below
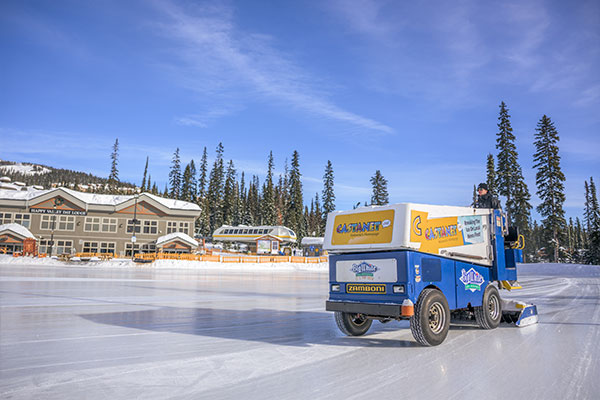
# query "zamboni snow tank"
(419, 262)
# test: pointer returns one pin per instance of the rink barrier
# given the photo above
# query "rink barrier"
(149, 257)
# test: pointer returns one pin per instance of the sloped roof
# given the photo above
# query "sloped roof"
(100, 199)
(18, 229)
(312, 241)
(176, 235)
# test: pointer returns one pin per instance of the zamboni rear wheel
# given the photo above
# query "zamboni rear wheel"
(352, 324)
(431, 321)
(489, 315)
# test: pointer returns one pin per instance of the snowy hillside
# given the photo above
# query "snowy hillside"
(25, 169)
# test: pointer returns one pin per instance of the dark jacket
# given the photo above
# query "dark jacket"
(488, 201)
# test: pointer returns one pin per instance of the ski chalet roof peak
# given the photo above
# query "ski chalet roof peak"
(96, 199)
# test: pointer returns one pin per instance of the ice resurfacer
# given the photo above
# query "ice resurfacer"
(424, 263)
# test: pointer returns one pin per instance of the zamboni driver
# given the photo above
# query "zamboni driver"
(485, 199)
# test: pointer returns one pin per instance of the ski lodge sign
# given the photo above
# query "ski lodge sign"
(58, 211)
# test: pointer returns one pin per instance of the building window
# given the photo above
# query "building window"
(5, 218)
(43, 246)
(149, 248)
(130, 226)
(63, 246)
(23, 219)
(90, 247)
(171, 227)
(66, 223)
(46, 222)
(109, 225)
(129, 246)
(150, 227)
(92, 224)
(184, 227)
(107, 247)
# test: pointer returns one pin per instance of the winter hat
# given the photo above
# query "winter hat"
(482, 186)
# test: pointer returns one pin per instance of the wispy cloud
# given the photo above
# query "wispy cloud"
(223, 60)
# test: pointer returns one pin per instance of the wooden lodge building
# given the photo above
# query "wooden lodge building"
(98, 223)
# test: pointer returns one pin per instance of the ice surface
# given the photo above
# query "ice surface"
(199, 331)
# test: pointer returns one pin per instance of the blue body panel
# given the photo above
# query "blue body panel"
(462, 283)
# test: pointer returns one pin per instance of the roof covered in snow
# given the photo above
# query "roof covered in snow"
(18, 229)
(176, 235)
(312, 241)
(98, 199)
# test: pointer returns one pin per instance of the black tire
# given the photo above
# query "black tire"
(489, 315)
(352, 324)
(431, 321)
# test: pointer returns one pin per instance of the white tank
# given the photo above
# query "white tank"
(456, 232)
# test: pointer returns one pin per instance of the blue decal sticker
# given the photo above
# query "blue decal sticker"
(472, 280)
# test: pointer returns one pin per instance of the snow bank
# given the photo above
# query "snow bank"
(169, 264)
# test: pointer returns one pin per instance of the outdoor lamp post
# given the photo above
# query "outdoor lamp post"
(57, 202)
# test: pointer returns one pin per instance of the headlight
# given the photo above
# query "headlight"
(335, 288)
(399, 289)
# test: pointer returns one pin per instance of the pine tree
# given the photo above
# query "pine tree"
(269, 212)
(328, 194)
(550, 186)
(491, 174)
(113, 178)
(203, 222)
(203, 174)
(149, 187)
(229, 195)
(214, 195)
(474, 202)
(186, 184)
(296, 204)
(318, 225)
(380, 195)
(175, 176)
(145, 174)
(592, 254)
(509, 176)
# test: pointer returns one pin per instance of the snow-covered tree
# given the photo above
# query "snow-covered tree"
(143, 187)
(269, 216)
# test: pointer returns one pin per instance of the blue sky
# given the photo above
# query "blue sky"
(410, 88)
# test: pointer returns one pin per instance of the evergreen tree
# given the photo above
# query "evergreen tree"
(549, 180)
(380, 195)
(113, 178)
(296, 204)
(214, 196)
(175, 176)
(155, 189)
(269, 212)
(186, 194)
(229, 195)
(318, 218)
(203, 222)
(474, 196)
(592, 254)
(491, 174)
(145, 174)
(149, 187)
(328, 194)
(203, 174)
(509, 176)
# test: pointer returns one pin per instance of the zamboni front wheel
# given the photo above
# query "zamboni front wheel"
(489, 315)
(431, 321)
(352, 324)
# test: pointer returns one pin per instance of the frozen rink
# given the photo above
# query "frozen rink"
(86, 332)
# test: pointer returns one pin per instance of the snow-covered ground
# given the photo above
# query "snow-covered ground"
(191, 330)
